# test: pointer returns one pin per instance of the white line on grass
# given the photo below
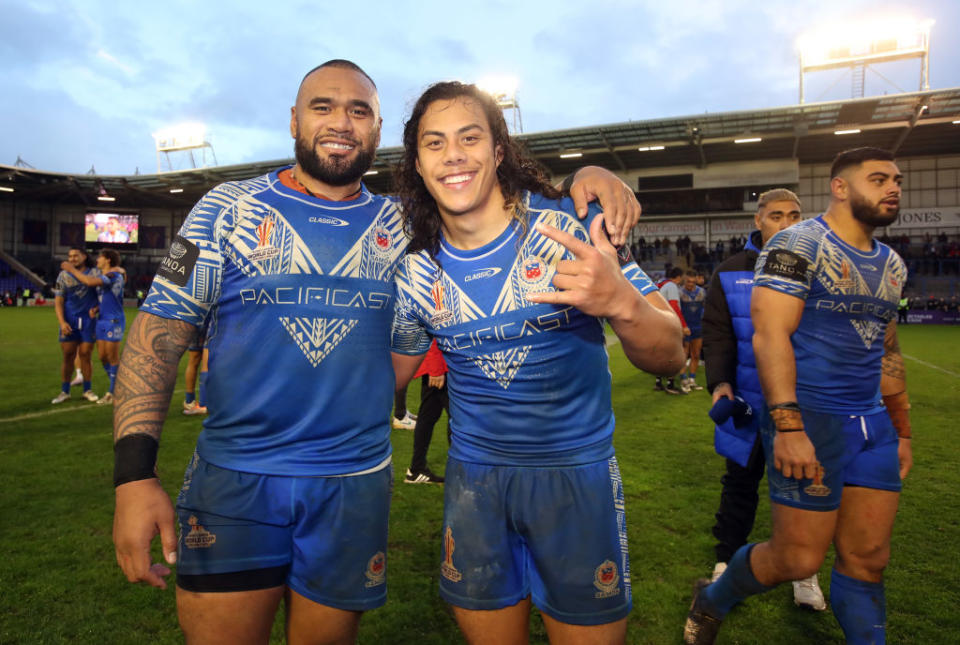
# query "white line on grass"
(60, 410)
(932, 366)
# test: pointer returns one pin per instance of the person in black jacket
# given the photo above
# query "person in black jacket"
(732, 372)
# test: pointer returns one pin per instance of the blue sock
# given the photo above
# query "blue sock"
(87, 385)
(202, 394)
(735, 585)
(111, 371)
(188, 397)
(65, 387)
(860, 608)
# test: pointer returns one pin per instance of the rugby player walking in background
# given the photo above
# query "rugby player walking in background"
(732, 372)
(835, 429)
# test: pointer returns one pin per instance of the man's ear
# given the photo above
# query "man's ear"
(293, 121)
(840, 188)
(498, 154)
(416, 165)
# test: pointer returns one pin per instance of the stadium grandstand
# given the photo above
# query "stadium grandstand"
(697, 178)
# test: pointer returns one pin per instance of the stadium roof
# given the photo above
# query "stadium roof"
(910, 124)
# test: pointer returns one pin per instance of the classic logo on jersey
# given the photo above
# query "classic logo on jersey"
(817, 488)
(376, 570)
(502, 366)
(606, 578)
(198, 537)
(481, 274)
(317, 337)
(446, 567)
(333, 221)
(786, 264)
(179, 262)
(440, 313)
(265, 250)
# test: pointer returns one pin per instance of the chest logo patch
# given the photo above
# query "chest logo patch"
(317, 337)
(502, 366)
(265, 250)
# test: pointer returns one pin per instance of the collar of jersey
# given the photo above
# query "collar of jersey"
(852, 249)
(278, 186)
(481, 252)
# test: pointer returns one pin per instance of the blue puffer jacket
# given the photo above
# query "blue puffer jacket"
(728, 345)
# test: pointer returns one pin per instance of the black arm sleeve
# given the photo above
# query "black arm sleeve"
(719, 341)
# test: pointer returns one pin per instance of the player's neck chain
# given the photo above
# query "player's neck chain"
(293, 174)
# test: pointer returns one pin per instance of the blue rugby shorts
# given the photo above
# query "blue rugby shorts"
(83, 330)
(556, 534)
(323, 537)
(853, 450)
(110, 329)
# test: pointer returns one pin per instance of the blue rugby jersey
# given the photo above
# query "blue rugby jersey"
(850, 296)
(529, 383)
(78, 298)
(691, 304)
(111, 296)
(297, 294)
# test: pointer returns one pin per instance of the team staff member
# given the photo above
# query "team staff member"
(837, 435)
(732, 372)
(288, 494)
(529, 384)
(111, 319)
(72, 303)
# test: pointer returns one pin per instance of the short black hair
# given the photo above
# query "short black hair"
(856, 157)
(675, 272)
(342, 64)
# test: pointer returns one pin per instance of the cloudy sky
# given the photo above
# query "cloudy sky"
(86, 83)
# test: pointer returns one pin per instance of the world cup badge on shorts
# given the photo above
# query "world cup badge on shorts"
(265, 250)
(446, 567)
(440, 312)
(376, 570)
(198, 537)
(606, 578)
(817, 489)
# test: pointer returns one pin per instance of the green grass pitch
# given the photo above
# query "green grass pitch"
(59, 582)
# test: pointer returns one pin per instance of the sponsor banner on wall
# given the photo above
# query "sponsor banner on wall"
(669, 229)
(934, 317)
(939, 217)
(728, 227)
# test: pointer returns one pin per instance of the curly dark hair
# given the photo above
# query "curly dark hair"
(517, 172)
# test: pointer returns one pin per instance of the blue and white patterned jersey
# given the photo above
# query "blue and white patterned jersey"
(691, 304)
(297, 293)
(111, 296)
(850, 296)
(78, 298)
(528, 383)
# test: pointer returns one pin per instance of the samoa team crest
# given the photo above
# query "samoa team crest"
(533, 272)
(382, 239)
(376, 570)
(606, 578)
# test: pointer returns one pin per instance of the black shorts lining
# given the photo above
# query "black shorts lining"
(235, 580)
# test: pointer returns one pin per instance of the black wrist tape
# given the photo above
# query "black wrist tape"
(134, 458)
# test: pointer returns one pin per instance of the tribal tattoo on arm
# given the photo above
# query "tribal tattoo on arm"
(891, 366)
(147, 374)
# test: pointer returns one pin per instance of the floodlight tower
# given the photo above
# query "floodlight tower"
(183, 141)
(503, 89)
(867, 43)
